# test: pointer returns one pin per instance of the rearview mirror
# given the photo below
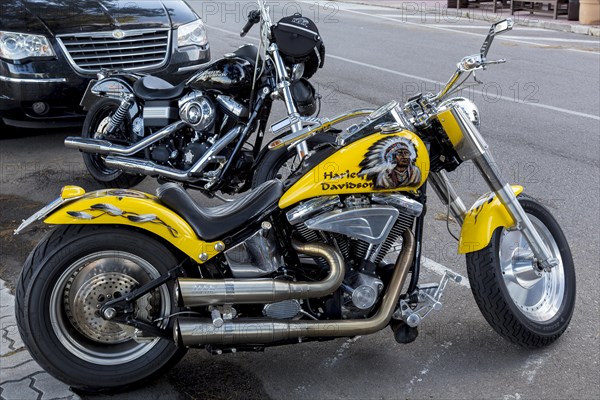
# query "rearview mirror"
(496, 29)
(502, 26)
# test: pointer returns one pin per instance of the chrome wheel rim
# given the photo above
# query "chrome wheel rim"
(84, 287)
(537, 294)
(286, 169)
(99, 133)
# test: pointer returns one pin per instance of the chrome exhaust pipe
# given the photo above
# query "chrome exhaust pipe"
(195, 332)
(202, 292)
(147, 167)
(99, 146)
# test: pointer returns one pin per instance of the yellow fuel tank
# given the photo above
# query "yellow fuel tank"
(382, 162)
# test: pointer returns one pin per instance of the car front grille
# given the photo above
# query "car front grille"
(136, 50)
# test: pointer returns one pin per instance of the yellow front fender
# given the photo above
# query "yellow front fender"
(484, 217)
(137, 209)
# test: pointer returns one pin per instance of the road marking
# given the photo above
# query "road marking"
(426, 368)
(425, 20)
(532, 366)
(410, 76)
(378, 68)
(441, 269)
(463, 32)
(554, 39)
(516, 396)
(506, 98)
(330, 362)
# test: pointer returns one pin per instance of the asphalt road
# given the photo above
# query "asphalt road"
(540, 116)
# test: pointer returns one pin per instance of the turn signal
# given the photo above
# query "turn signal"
(69, 192)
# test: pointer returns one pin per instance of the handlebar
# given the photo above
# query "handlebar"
(477, 61)
(253, 18)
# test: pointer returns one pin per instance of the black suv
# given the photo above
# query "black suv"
(50, 49)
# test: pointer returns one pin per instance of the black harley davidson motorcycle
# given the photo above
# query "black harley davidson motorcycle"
(208, 131)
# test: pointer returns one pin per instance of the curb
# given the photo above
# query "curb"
(20, 376)
(440, 9)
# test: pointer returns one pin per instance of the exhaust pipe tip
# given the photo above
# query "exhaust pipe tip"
(177, 334)
(178, 296)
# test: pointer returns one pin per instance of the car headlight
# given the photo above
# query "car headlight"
(19, 46)
(192, 34)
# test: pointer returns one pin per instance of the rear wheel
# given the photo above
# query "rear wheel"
(62, 287)
(94, 126)
(524, 305)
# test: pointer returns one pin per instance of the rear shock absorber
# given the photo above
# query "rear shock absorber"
(119, 115)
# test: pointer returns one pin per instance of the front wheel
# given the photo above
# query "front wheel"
(528, 307)
(95, 127)
(65, 281)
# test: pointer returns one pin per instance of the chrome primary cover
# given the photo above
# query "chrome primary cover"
(371, 224)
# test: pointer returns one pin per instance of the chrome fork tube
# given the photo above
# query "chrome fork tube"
(447, 194)
(476, 149)
(489, 170)
(284, 85)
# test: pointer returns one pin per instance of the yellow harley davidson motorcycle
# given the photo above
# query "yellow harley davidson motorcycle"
(127, 281)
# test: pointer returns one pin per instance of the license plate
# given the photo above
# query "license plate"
(88, 96)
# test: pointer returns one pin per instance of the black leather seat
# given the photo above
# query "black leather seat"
(212, 223)
(153, 88)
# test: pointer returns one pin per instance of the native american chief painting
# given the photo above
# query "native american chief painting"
(390, 163)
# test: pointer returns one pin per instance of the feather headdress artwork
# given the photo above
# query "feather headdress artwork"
(390, 163)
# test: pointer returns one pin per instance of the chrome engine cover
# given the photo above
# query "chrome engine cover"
(255, 257)
(363, 289)
(197, 110)
(371, 224)
(403, 203)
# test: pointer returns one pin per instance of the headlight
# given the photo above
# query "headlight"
(19, 46)
(467, 106)
(192, 34)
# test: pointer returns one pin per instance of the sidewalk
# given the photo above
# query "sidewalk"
(483, 12)
(21, 378)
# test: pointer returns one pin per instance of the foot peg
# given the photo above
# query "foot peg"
(427, 298)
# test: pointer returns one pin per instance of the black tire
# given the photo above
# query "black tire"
(273, 164)
(538, 319)
(74, 266)
(106, 176)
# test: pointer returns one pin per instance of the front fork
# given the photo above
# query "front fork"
(284, 86)
(474, 147)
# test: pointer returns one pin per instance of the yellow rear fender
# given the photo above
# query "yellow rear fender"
(484, 217)
(132, 208)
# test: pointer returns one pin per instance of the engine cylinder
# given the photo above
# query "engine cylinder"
(197, 110)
